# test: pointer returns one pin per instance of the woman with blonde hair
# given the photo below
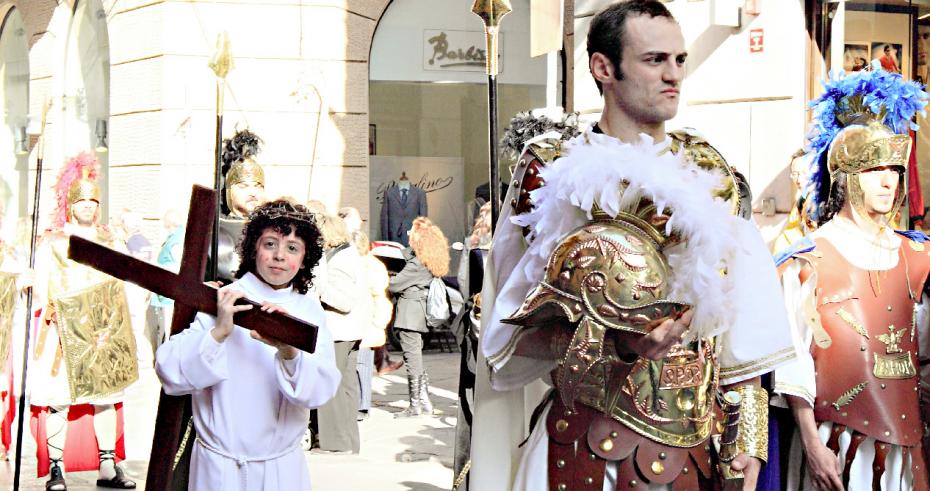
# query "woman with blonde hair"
(427, 258)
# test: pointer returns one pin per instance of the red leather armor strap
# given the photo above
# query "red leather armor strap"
(571, 464)
(868, 316)
(919, 468)
(857, 439)
(878, 464)
(583, 440)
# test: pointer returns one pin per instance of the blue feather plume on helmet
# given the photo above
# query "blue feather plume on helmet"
(883, 93)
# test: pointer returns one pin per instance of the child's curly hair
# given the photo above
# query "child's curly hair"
(430, 245)
(283, 217)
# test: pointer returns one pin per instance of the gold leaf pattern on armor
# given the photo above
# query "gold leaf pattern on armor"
(852, 322)
(607, 310)
(849, 395)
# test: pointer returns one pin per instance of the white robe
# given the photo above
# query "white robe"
(797, 378)
(753, 329)
(250, 406)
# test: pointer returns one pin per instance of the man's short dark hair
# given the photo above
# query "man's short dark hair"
(609, 27)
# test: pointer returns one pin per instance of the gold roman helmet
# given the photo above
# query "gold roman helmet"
(611, 270)
(607, 274)
(863, 144)
(83, 188)
(247, 170)
(860, 147)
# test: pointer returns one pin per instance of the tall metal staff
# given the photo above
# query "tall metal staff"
(220, 63)
(491, 12)
(40, 155)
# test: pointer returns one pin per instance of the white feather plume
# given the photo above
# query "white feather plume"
(591, 170)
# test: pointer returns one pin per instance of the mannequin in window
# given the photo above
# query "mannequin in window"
(402, 203)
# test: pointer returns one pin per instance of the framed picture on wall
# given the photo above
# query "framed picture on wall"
(855, 57)
(888, 54)
(372, 139)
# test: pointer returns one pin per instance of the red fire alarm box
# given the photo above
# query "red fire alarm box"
(756, 40)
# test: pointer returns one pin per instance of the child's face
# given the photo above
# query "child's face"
(279, 257)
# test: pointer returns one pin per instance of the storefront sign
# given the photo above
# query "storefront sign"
(455, 51)
(756, 40)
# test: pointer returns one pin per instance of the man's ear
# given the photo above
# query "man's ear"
(601, 68)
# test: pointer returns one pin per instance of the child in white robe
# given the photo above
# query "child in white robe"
(252, 395)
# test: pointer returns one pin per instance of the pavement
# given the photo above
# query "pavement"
(396, 454)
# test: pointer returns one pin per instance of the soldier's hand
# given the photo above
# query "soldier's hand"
(750, 468)
(225, 309)
(660, 340)
(823, 466)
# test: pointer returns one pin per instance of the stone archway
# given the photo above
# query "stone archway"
(85, 88)
(14, 96)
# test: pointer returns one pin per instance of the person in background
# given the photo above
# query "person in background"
(427, 258)
(380, 309)
(169, 257)
(798, 224)
(341, 297)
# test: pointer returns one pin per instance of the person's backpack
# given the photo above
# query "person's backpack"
(437, 303)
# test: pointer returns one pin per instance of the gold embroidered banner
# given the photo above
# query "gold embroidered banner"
(97, 341)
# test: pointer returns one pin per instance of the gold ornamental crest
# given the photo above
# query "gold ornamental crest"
(611, 271)
(97, 340)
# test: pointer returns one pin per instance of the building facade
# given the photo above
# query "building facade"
(350, 94)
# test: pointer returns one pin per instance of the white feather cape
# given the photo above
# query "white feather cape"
(705, 223)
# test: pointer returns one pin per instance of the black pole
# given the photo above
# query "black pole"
(22, 384)
(217, 177)
(494, 167)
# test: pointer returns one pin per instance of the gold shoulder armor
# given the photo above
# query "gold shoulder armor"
(702, 153)
(526, 174)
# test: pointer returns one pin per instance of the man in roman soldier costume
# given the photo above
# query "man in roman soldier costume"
(84, 355)
(244, 190)
(623, 270)
(855, 289)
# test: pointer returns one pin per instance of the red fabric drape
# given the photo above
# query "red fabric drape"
(81, 451)
(914, 195)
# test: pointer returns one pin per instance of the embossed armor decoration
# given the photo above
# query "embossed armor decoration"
(97, 341)
(655, 417)
(871, 322)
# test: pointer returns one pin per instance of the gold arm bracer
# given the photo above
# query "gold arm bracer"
(753, 436)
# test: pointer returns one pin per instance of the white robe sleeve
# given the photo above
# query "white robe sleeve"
(192, 360)
(758, 339)
(797, 378)
(310, 380)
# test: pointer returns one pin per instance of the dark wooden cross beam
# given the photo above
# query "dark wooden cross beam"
(190, 296)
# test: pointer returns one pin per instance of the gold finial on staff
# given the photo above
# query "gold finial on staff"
(491, 13)
(221, 62)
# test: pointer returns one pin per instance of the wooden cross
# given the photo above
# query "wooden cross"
(190, 295)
